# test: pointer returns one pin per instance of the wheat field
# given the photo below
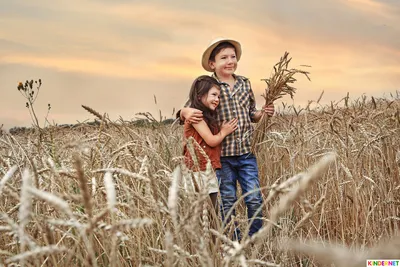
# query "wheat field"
(108, 195)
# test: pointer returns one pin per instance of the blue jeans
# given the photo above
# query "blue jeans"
(242, 169)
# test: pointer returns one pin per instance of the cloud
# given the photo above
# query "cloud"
(163, 70)
(383, 9)
(66, 92)
(330, 22)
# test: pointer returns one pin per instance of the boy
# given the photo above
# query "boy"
(236, 101)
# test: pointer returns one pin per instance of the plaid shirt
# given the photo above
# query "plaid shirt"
(237, 103)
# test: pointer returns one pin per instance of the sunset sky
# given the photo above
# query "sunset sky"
(116, 55)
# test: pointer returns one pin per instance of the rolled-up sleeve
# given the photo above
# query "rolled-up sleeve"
(252, 109)
(178, 113)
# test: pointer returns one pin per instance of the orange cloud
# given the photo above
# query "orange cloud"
(151, 70)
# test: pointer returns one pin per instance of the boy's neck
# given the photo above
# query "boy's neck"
(227, 79)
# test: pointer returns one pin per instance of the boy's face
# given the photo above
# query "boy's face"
(225, 63)
(211, 99)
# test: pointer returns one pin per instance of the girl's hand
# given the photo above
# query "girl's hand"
(269, 110)
(192, 115)
(229, 127)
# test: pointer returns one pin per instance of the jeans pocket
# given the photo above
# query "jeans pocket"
(248, 156)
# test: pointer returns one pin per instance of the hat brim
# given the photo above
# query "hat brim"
(206, 55)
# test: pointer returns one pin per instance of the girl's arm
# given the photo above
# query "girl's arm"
(215, 139)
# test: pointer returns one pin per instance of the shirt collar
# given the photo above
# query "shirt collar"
(237, 77)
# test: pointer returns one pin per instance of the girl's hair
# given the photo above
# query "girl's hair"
(218, 49)
(200, 87)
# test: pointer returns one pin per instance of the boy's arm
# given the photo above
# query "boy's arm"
(215, 139)
(267, 110)
(256, 115)
(191, 114)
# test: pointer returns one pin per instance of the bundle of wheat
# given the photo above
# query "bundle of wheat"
(277, 86)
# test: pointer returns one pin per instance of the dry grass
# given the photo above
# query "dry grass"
(108, 196)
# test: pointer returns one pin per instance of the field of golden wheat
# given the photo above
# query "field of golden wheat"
(107, 195)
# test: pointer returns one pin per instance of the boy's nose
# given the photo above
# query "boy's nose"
(231, 60)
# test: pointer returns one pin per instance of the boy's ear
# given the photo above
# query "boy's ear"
(211, 64)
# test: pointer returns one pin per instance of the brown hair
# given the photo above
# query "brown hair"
(200, 87)
(218, 49)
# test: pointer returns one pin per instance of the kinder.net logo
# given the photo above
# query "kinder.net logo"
(383, 262)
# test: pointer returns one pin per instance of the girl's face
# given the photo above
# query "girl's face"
(225, 63)
(211, 99)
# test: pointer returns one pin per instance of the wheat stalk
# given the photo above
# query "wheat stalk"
(173, 198)
(51, 199)
(35, 253)
(83, 185)
(24, 213)
(110, 190)
(278, 85)
(124, 172)
(93, 112)
(7, 177)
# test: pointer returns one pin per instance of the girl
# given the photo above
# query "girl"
(205, 95)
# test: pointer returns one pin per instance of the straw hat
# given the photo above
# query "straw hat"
(206, 55)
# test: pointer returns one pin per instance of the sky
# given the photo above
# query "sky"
(119, 56)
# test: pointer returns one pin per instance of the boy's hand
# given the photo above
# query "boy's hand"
(229, 127)
(192, 115)
(269, 110)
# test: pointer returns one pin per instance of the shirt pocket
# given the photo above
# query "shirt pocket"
(243, 99)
